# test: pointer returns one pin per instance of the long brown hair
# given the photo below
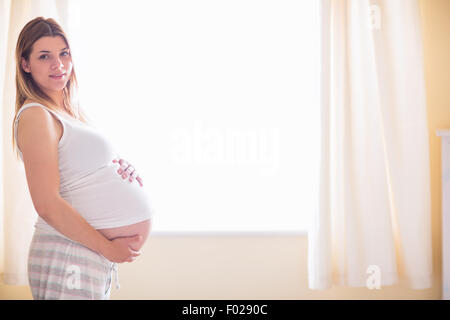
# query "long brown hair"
(26, 87)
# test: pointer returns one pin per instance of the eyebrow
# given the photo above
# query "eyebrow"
(59, 50)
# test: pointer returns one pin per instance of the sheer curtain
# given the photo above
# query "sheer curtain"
(17, 214)
(375, 212)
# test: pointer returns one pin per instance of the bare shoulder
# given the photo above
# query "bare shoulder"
(35, 122)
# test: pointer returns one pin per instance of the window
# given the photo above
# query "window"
(215, 103)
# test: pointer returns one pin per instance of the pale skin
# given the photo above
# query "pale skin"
(128, 169)
(38, 130)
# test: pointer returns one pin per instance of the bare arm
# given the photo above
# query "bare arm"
(64, 218)
(38, 136)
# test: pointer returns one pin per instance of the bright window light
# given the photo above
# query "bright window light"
(215, 103)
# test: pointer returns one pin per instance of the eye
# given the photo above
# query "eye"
(65, 53)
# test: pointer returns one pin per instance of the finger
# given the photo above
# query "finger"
(140, 181)
(135, 253)
(133, 257)
(132, 176)
(123, 162)
(118, 160)
(128, 171)
(123, 167)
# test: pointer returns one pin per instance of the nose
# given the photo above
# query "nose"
(57, 64)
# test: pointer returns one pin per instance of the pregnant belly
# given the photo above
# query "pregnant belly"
(110, 204)
(141, 228)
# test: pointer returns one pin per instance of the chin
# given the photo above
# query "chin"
(57, 88)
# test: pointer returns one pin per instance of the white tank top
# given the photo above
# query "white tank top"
(89, 181)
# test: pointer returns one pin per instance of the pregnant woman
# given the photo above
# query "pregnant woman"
(90, 217)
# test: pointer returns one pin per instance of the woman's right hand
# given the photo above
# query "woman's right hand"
(119, 250)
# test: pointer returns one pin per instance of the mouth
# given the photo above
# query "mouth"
(58, 76)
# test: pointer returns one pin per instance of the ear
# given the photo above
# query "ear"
(25, 65)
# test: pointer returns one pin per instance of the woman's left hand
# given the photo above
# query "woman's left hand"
(126, 169)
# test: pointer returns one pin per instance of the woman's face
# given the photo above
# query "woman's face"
(49, 58)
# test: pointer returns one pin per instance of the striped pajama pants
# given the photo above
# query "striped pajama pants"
(59, 268)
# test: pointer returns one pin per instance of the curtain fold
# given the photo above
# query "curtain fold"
(17, 213)
(374, 208)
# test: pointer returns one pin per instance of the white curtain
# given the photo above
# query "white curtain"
(374, 209)
(17, 214)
